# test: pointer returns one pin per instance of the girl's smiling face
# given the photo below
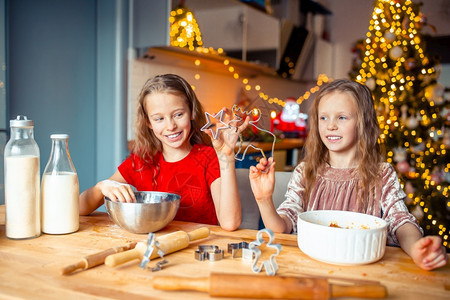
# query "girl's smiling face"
(338, 120)
(169, 117)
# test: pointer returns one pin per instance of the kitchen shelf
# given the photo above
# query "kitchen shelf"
(184, 58)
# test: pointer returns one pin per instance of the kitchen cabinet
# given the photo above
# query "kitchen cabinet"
(316, 60)
(241, 30)
(149, 23)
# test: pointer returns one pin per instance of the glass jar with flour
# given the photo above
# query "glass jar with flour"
(60, 190)
(22, 181)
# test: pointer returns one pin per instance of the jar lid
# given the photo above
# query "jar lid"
(21, 121)
(59, 136)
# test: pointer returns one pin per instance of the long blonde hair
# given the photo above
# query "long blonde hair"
(146, 144)
(368, 151)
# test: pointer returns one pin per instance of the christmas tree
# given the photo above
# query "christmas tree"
(184, 30)
(414, 117)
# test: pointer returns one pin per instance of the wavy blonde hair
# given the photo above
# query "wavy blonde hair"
(368, 153)
(146, 144)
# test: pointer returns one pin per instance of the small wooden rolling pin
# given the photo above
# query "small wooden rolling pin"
(96, 259)
(168, 243)
(267, 287)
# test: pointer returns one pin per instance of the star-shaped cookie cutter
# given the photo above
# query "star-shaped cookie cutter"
(240, 250)
(210, 125)
(269, 265)
(236, 110)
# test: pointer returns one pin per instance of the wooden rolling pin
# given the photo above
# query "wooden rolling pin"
(168, 243)
(96, 259)
(267, 287)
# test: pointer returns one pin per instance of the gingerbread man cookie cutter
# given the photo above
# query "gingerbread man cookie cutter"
(269, 265)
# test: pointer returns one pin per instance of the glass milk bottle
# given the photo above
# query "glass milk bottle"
(60, 190)
(22, 181)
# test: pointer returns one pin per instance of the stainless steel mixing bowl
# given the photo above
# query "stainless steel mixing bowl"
(151, 212)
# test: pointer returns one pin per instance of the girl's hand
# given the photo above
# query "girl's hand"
(228, 137)
(428, 253)
(262, 179)
(117, 191)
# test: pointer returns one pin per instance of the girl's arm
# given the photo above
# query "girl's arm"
(115, 188)
(224, 190)
(426, 252)
(225, 195)
(262, 180)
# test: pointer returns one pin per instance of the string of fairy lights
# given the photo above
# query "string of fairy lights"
(393, 86)
(185, 33)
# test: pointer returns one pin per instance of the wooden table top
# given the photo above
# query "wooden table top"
(30, 269)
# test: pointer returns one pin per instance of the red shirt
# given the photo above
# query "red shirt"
(190, 178)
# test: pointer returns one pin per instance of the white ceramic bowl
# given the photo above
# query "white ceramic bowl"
(359, 239)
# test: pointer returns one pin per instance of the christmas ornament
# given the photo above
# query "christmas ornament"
(400, 154)
(389, 36)
(446, 139)
(446, 176)
(445, 114)
(395, 53)
(409, 189)
(436, 175)
(412, 122)
(419, 148)
(412, 173)
(403, 167)
(418, 212)
(404, 109)
(435, 93)
(410, 64)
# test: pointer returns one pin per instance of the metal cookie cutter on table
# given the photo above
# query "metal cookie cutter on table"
(240, 250)
(270, 265)
(152, 243)
(210, 252)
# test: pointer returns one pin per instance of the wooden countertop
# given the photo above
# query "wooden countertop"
(30, 269)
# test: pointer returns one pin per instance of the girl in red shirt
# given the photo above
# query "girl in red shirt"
(171, 154)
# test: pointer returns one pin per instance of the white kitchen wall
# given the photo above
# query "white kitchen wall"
(214, 89)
